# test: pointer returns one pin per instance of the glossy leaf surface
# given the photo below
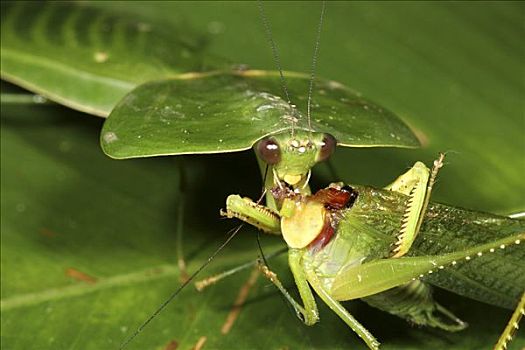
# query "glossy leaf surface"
(86, 58)
(225, 112)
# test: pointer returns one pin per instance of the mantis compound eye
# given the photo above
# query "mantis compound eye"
(268, 149)
(327, 147)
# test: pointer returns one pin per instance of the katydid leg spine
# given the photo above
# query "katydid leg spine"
(512, 326)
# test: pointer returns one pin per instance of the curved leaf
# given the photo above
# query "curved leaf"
(82, 57)
(229, 111)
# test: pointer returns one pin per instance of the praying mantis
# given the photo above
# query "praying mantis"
(112, 138)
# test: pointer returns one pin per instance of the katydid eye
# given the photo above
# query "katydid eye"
(269, 151)
(327, 147)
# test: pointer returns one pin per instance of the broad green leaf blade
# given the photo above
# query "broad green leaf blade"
(230, 111)
(86, 58)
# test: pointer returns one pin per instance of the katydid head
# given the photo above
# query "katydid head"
(292, 157)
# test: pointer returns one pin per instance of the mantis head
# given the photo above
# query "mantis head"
(291, 157)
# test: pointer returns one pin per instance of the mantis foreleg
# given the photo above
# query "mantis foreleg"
(245, 209)
(416, 183)
(269, 221)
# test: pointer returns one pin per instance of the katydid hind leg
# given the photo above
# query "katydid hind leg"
(518, 215)
(380, 275)
(512, 326)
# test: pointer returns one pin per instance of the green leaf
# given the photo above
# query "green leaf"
(86, 58)
(226, 112)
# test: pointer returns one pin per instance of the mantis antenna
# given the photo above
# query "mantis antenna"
(314, 64)
(182, 286)
(277, 60)
(275, 53)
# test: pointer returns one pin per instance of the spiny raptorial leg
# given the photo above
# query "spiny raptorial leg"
(417, 183)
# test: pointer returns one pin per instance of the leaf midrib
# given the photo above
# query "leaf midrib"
(76, 74)
(79, 289)
(59, 66)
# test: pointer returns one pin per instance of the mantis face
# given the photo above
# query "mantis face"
(292, 157)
